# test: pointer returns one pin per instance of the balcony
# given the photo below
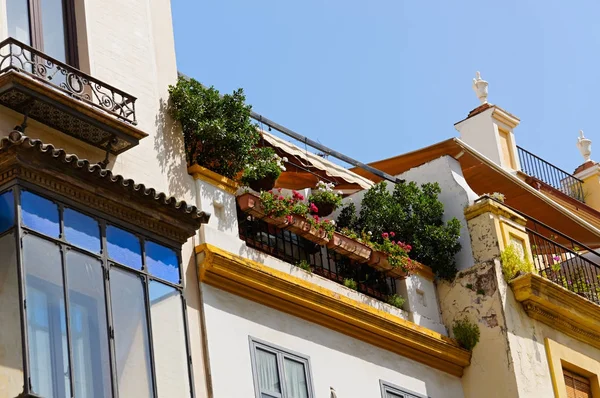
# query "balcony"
(547, 173)
(66, 99)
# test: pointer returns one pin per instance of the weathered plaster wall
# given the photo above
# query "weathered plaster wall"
(352, 367)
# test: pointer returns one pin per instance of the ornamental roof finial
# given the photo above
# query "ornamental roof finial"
(480, 87)
(585, 146)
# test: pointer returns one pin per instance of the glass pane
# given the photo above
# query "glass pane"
(295, 379)
(17, 15)
(131, 334)
(7, 211)
(40, 214)
(162, 262)
(82, 230)
(268, 373)
(53, 27)
(168, 332)
(11, 359)
(89, 337)
(124, 247)
(46, 318)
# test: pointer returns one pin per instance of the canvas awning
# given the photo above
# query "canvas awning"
(304, 169)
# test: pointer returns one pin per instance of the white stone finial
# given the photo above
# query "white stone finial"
(585, 146)
(480, 87)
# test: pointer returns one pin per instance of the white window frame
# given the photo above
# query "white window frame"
(281, 353)
(394, 389)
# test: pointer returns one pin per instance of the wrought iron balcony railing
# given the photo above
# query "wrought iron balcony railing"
(66, 99)
(559, 258)
(550, 174)
(294, 249)
(19, 56)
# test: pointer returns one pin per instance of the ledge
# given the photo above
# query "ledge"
(555, 306)
(202, 173)
(487, 205)
(306, 300)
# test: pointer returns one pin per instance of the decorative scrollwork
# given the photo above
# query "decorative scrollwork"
(15, 55)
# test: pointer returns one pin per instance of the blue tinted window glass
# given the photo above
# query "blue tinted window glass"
(7, 211)
(40, 214)
(124, 247)
(162, 262)
(82, 230)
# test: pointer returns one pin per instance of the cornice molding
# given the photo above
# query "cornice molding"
(491, 206)
(559, 308)
(202, 173)
(284, 292)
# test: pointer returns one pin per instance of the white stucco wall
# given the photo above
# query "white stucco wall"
(353, 368)
(480, 133)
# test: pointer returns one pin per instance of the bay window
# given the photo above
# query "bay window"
(101, 314)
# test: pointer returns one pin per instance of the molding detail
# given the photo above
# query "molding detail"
(284, 292)
(488, 205)
(202, 173)
(559, 308)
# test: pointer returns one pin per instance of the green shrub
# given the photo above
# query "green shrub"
(466, 333)
(396, 300)
(514, 262)
(218, 132)
(264, 162)
(347, 218)
(415, 214)
(304, 265)
(350, 284)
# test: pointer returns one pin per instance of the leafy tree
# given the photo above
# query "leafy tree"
(415, 214)
(218, 131)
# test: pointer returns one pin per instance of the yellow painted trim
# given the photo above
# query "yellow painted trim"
(562, 357)
(306, 300)
(559, 308)
(423, 270)
(504, 117)
(508, 230)
(202, 173)
(491, 206)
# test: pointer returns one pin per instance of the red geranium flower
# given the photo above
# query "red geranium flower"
(385, 235)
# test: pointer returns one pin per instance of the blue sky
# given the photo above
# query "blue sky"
(373, 79)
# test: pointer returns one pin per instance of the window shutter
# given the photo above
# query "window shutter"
(577, 386)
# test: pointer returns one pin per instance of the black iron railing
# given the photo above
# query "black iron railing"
(294, 249)
(550, 174)
(563, 260)
(15, 55)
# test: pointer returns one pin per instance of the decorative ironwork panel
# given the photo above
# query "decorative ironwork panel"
(15, 55)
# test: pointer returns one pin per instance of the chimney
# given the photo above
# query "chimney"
(489, 129)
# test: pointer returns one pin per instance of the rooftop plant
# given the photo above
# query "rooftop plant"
(217, 130)
(414, 215)
(263, 163)
(514, 262)
(466, 333)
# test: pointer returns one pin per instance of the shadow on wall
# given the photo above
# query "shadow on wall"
(170, 153)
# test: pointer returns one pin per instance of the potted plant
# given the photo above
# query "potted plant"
(392, 256)
(347, 243)
(263, 169)
(217, 130)
(324, 200)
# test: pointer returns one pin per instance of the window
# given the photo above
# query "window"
(104, 305)
(391, 391)
(279, 373)
(577, 386)
(47, 25)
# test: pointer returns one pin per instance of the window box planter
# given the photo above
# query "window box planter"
(251, 204)
(379, 261)
(300, 226)
(349, 247)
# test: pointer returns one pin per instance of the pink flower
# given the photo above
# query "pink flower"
(385, 235)
(556, 258)
(313, 208)
(297, 195)
(317, 219)
(290, 219)
(392, 234)
(281, 197)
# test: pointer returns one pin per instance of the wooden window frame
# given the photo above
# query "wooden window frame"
(36, 30)
(562, 357)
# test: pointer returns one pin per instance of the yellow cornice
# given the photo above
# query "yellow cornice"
(556, 306)
(423, 270)
(295, 296)
(491, 206)
(219, 181)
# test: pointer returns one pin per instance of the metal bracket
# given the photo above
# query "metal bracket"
(26, 109)
(104, 164)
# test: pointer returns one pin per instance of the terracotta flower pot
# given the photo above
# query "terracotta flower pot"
(251, 204)
(325, 209)
(397, 272)
(379, 261)
(349, 247)
(301, 227)
(264, 184)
